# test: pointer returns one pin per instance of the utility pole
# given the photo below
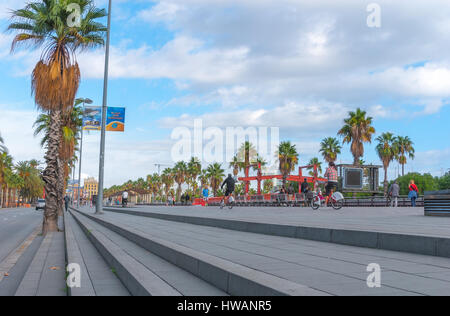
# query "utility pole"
(85, 101)
(159, 165)
(101, 173)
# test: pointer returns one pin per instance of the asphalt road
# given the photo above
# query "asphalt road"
(15, 226)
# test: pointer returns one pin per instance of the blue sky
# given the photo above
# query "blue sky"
(294, 64)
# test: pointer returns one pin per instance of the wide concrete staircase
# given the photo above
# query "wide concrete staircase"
(128, 261)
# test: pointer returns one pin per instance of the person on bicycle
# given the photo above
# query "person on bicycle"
(331, 175)
(230, 184)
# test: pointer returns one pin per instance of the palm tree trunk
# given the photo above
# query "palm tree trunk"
(51, 173)
(385, 181)
(403, 169)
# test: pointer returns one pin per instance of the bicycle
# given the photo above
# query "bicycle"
(336, 200)
(230, 203)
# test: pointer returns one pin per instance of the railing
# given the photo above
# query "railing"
(299, 199)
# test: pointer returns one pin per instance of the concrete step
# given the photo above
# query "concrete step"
(137, 278)
(228, 276)
(410, 243)
(46, 274)
(182, 281)
(97, 278)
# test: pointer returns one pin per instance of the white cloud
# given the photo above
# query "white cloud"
(16, 130)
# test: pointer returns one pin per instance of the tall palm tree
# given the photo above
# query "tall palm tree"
(6, 165)
(167, 179)
(357, 130)
(194, 169)
(180, 173)
(56, 77)
(215, 174)
(405, 148)
(288, 158)
(386, 150)
(71, 128)
(330, 149)
(246, 155)
(315, 161)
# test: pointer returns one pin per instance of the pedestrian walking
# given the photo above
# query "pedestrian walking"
(413, 193)
(66, 202)
(394, 193)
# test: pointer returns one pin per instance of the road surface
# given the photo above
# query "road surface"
(15, 226)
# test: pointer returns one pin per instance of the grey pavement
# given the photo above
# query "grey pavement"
(182, 281)
(46, 274)
(98, 274)
(15, 226)
(10, 284)
(331, 268)
(380, 219)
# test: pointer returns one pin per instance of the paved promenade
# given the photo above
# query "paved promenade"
(325, 267)
(390, 220)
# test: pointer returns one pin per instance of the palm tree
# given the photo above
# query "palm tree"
(215, 174)
(168, 180)
(288, 158)
(180, 173)
(33, 185)
(246, 155)
(235, 164)
(386, 150)
(194, 169)
(6, 165)
(2, 145)
(71, 128)
(56, 77)
(315, 161)
(330, 148)
(357, 130)
(404, 147)
(204, 180)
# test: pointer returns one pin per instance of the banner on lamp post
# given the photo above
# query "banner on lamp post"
(115, 119)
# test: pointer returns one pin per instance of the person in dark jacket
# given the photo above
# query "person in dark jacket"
(230, 185)
(66, 202)
(305, 186)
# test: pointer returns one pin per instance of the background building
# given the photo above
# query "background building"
(90, 188)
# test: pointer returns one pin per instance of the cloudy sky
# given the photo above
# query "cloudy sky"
(294, 64)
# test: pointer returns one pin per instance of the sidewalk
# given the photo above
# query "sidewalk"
(325, 267)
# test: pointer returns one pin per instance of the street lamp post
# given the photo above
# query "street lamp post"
(99, 202)
(85, 101)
